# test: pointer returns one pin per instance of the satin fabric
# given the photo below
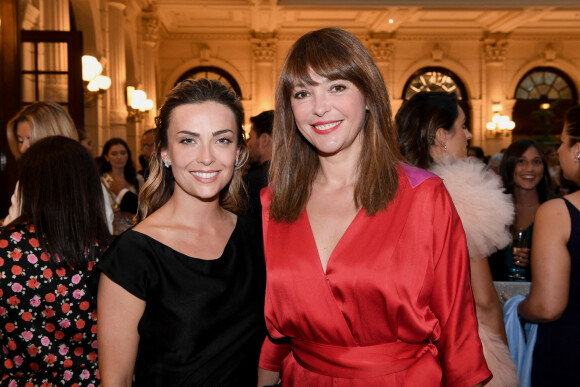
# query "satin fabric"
(398, 277)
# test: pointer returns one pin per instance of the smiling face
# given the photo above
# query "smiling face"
(329, 114)
(202, 148)
(529, 169)
(117, 156)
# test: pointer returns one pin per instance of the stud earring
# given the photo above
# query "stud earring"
(578, 156)
(445, 148)
(167, 164)
(237, 163)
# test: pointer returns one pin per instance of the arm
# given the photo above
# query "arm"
(267, 378)
(550, 264)
(452, 299)
(487, 303)
(14, 210)
(118, 313)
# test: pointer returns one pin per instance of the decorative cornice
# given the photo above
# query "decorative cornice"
(381, 49)
(495, 49)
(207, 36)
(549, 53)
(264, 49)
(150, 26)
(437, 53)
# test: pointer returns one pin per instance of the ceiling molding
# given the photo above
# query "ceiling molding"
(430, 3)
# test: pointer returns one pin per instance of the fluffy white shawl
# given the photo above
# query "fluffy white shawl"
(485, 211)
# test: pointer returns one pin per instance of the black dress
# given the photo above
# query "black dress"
(203, 323)
(557, 351)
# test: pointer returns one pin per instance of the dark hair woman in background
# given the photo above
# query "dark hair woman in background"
(433, 135)
(121, 181)
(47, 317)
(525, 176)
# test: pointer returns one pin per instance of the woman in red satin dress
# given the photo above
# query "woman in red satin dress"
(367, 265)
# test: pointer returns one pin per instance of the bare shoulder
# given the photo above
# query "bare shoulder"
(152, 225)
(552, 221)
(551, 208)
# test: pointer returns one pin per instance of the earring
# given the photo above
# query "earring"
(445, 148)
(578, 156)
(237, 163)
(167, 164)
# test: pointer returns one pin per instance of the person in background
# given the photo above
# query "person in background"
(477, 152)
(121, 181)
(47, 315)
(433, 135)
(554, 299)
(147, 143)
(554, 167)
(30, 124)
(495, 161)
(181, 295)
(366, 259)
(85, 140)
(525, 176)
(260, 147)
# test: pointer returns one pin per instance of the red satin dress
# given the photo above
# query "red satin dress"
(395, 306)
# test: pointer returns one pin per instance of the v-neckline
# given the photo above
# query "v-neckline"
(338, 244)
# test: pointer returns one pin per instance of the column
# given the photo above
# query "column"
(264, 50)
(150, 28)
(381, 48)
(495, 46)
(117, 68)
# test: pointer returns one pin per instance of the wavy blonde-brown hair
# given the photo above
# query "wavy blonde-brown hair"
(45, 119)
(334, 54)
(160, 184)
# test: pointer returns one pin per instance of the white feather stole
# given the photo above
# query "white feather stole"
(485, 211)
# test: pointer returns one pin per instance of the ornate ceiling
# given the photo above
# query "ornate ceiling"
(183, 17)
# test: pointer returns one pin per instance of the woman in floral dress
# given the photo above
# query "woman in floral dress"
(47, 316)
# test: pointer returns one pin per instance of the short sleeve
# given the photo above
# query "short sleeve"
(130, 263)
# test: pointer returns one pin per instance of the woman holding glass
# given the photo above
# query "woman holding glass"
(554, 299)
(367, 264)
(525, 176)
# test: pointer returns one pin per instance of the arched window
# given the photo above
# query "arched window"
(542, 97)
(438, 79)
(212, 72)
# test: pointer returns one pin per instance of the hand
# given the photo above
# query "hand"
(521, 256)
(505, 296)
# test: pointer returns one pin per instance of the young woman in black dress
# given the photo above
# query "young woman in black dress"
(181, 295)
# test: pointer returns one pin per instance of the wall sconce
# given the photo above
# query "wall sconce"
(94, 83)
(137, 104)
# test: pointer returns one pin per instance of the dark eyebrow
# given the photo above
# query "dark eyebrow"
(216, 133)
(223, 131)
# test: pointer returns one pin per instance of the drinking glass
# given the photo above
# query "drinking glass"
(516, 273)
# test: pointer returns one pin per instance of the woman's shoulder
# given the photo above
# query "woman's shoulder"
(554, 205)
(132, 245)
(415, 176)
(15, 234)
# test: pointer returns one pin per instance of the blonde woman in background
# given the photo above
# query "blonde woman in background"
(35, 122)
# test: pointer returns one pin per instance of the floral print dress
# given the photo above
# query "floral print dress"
(48, 319)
